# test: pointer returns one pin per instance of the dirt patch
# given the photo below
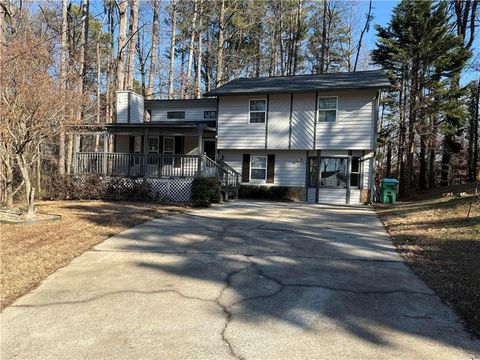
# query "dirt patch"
(31, 252)
(442, 247)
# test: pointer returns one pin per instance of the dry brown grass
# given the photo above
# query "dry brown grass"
(442, 247)
(29, 253)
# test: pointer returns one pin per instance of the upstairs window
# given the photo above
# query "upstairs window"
(258, 111)
(327, 109)
(175, 114)
(209, 114)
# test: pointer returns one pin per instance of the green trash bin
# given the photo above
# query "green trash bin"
(388, 191)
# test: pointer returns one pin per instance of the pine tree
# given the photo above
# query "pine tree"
(422, 57)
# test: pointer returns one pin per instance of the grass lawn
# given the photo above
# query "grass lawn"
(29, 253)
(442, 247)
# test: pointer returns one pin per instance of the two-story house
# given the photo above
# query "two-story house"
(315, 134)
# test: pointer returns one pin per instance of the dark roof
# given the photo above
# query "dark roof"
(375, 79)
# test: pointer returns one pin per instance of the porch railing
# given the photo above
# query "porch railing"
(155, 166)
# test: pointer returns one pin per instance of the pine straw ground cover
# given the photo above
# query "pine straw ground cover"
(30, 252)
(442, 247)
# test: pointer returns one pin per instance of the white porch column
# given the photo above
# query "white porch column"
(105, 151)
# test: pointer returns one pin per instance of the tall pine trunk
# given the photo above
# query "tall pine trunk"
(171, 70)
(122, 41)
(198, 77)
(63, 82)
(220, 44)
(153, 52)
(191, 46)
(132, 42)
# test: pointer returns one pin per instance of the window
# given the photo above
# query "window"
(148, 115)
(153, 145)
(209, 114)
(333, 172)
(258, 168)
(153, 148)
(327, 109)
(257, 111)
(355, 173)
(175, 114)
(168, 149)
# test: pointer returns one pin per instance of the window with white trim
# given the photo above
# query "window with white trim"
(258, 168)
(257, 111)
(327, 109)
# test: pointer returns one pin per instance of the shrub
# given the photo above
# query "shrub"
(263, 192)
(205, 191)
(95, 187)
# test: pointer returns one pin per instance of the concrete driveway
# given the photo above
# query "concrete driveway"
(248, 280)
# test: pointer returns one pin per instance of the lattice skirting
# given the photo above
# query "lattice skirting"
(128, 188)
(175, 190)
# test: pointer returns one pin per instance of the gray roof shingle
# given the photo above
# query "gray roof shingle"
(374, 79)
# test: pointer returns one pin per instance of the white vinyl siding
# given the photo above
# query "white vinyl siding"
(289, 165)
(122, 107)
(278, 121)
(303, 121)
(136, 108)
(354, 126)
(234, 131)
(193, 111)
(129, 107)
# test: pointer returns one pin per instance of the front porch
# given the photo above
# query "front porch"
(153, 152)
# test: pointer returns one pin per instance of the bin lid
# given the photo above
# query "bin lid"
(395, 181)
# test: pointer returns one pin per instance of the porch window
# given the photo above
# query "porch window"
(153, 145)
(153, 148)
(258, 168)
(175, 114)
(333, 172)
(168, 149)
(327, 109)
(257, 111)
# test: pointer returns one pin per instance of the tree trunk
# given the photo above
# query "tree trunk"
(132, 42)
(29, 190)
(110, 62)
(365, 28)
(172, 50)
(220, 45)
(182, 66)
(153, 52)
(422, 178)
(388, 172)
(9, 193)
(198, 76)
(324, 38)
(192, 43)
(63, 82)
(122, 40)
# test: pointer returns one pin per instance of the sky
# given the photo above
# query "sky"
(382, 11)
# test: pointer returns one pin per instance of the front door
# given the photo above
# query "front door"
(209, 148)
